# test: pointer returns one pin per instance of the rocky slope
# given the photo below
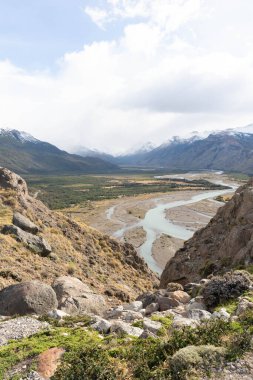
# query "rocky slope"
(38, 244)
(60, 321)
(24, 154)
(226, 242)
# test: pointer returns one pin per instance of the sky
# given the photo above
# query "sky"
(112, 74)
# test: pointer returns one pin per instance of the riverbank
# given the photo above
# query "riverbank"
(156, 224)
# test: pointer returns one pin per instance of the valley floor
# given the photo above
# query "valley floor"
(125, 218)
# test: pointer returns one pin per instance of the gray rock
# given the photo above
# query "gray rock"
(120, 328)
(152, 326)
(221, 314)
(166, 303)
(147, 334)
(21, 327)
(114, 313)
(33, 376)
(24, 223)
(192, 288)
(134, 306)
(103, 326)
(131, 316)
(35, 243)
(10, 180)
(151, 308)
(198, 315)
(57, 314)
(179, 322)
(196, 303)
(31, 297)
(75, 297)
(243, 305)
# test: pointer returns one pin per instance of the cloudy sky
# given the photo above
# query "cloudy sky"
(113, 74)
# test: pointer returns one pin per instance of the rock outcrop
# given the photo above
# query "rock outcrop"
(225, 243)
(109, 268)
(75, 297)
(31, 297)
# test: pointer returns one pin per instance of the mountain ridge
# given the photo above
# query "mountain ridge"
(25, 154)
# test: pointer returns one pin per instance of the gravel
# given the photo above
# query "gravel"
(19, 328)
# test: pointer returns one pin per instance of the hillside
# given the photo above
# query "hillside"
(107, 266)
(66, 310)
(225, 243)
(24, 154)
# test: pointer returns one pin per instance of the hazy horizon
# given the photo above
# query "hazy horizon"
(114, 74)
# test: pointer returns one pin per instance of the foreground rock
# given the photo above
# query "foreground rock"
(75, 297)
(31, 297)
(24, 223)
(226, 242)
(122, 328)
(19, 328)
(33, 242)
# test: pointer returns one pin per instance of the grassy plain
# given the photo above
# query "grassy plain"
(60, 192)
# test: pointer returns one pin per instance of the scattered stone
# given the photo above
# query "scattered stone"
(151, 308)
(120, 328)
(221, 314)
(243, 306)
(114, 313)
(180, 296)
(21, 327)
(134, 306)
(33, 376)
(35, 243)
(197, 303)
(57, 314)
(24, 223)
(179, 322)
(75, 297)
(103, 326)
(48, 362)
(198, 315)
(192, 288)
(131, 316)
(147, 298)
(152, 326)
(147, 334)
(166, 303)
(31, 297)
(173, 286)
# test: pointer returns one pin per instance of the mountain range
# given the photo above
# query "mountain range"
(229, 150)
(24, 154)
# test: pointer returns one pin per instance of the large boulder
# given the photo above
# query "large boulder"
(32, 297)
(10, 180)
(75, 297)
(35, 243)
(24, 223)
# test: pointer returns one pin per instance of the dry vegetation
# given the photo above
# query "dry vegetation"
(101, 262)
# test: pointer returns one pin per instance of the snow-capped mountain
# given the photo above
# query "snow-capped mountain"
(228, 150)
(20, 136)
(23, 153)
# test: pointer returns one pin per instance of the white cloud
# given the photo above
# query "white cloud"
(163, 76)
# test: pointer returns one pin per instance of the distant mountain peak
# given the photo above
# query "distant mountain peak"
(20, 136)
